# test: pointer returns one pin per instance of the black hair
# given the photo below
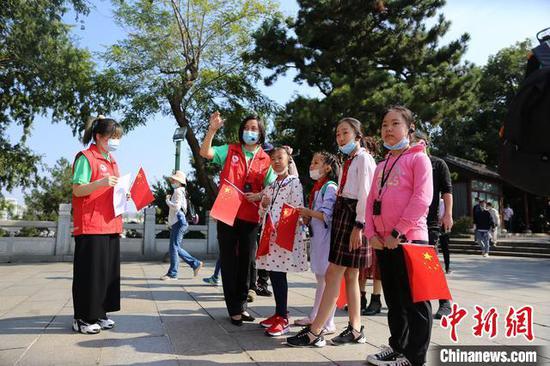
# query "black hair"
(261, 128)
(356, 126)
(407, 115)
(332, 161)
(103, 126)
(279, 148)
(371, 145)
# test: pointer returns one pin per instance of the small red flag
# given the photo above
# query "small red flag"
(227, 204)
(140, 192)
(342, 297)
(268, 229)
(286, 227)
(426, 277)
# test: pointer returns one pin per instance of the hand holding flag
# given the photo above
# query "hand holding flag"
(286, 227)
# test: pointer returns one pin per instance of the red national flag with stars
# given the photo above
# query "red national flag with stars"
(140, 192)
(268, 229)
(286, 227)
(227, 204)
(426, 277)
(342, 297)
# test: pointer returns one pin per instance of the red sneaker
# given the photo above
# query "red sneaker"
(279, 327)
(267, 323)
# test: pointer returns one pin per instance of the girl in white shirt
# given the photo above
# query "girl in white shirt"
(348, 252)
(177, 205)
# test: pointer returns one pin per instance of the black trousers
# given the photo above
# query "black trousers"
(410, 323)
(96, 276)
(437, 237)
(237, 250)
(280, 292)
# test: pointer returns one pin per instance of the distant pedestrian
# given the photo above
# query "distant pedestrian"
(483, 225)
(496, 219)
(508, 214)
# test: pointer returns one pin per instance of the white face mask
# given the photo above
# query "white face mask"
(112, 144)
(315, 174)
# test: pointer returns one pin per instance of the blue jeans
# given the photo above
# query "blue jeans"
(176, 251)
(482, 238)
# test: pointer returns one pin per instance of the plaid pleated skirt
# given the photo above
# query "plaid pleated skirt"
(343, 222)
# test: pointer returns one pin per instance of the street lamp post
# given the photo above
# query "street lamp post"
(178, 137)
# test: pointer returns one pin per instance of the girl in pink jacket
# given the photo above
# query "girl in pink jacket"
(397, 207)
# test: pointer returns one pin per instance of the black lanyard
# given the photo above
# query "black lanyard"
(279, 186)
(386, 177)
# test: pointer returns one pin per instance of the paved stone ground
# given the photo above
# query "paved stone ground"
(185, 322)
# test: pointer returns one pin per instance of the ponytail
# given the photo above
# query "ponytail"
(100, 125)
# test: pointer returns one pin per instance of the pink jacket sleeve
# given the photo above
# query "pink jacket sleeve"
(369, 219)
(422, 194)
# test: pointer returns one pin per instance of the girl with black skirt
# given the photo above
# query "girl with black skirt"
(348, 252)
(96, 270)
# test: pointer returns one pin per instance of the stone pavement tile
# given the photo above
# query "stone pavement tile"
(237, 358)
(9, 302)
(35, 308)
(136, 350)
(10, 356)
(63, 348)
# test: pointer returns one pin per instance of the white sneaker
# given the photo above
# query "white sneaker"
(388, 357)
(81, 326)
(485, 255)
(106, 323)
(168, 278)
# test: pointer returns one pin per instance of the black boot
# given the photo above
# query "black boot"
(363, 300)
(374, 307)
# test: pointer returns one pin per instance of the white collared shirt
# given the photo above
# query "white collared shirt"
(358, 181)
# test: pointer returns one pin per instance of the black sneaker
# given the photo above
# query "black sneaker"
(305, 338)
(350, 336)
(388, 357)
(444, 309)
(263, 291)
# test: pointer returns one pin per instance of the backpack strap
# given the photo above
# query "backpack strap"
(325, 186)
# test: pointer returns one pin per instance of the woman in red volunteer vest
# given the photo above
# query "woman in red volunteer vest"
(96, 273)
(248, 167)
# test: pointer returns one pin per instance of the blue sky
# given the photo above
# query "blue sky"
(492, 25)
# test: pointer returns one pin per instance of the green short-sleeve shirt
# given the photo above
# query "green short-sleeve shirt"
(83, 170)
(220, 155)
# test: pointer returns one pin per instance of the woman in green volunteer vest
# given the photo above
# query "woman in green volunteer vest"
(246, 166)
(96, 270)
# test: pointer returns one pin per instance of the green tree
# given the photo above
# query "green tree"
(183, 58)
(43, 202)
(475, 135)
(364, 56)
(43, 73)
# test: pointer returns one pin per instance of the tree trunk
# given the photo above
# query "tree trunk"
(199, 162)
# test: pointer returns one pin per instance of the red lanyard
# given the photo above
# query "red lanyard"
(347, 163)
(316, 187)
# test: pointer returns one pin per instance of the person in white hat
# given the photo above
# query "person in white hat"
(177, 204)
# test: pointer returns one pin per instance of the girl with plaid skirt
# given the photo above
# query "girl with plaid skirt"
(348, 251)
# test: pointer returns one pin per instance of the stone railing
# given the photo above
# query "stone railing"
(55, 242)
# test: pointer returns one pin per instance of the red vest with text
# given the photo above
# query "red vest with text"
(235, 171)
(95, 214)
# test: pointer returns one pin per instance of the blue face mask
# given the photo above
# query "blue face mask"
(113, 144)
(348, 148)
(174, 185)
(251, 137)
(400, 145)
